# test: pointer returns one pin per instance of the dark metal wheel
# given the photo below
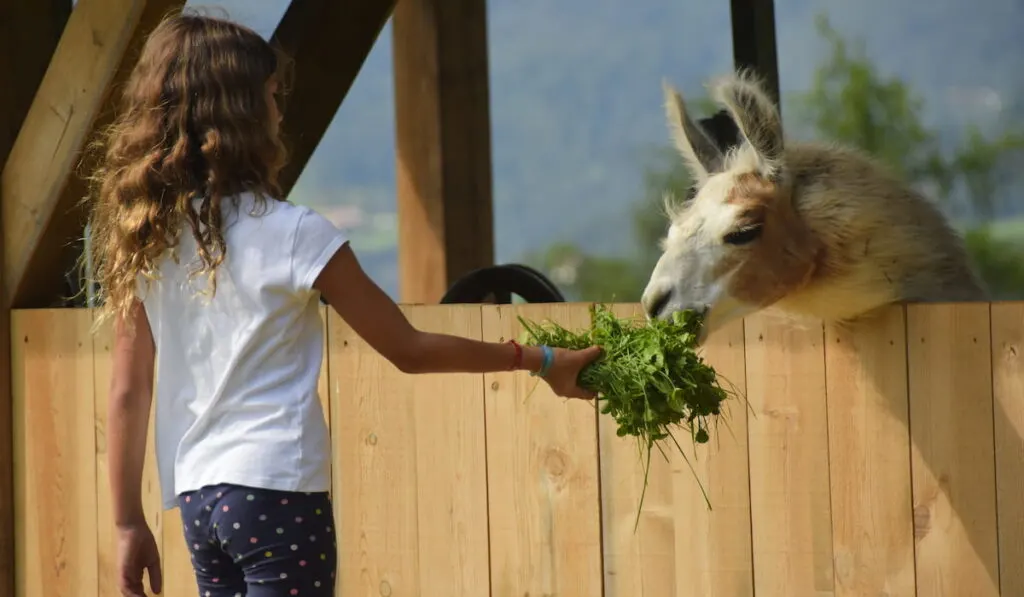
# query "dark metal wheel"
(497, 284)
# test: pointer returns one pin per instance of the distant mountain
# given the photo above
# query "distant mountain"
(576, 98)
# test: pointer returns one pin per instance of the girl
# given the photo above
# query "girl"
(214, 281)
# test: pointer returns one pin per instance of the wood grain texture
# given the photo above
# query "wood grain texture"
(789, 467)
(681, 547)
(543, 473)
(410, 476)
(179, 577)
(1008, 412)
(55, 454)
(869, 464)
(954, 484)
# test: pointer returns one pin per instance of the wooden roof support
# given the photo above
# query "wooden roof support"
(29, 32)
(40, 188)
(442, 108)
(328, 41)
(753, 40)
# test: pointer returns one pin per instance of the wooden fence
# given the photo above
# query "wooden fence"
(886, 459)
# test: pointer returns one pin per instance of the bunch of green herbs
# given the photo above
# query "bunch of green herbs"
(649, 377)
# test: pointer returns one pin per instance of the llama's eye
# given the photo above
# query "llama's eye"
(742, 236)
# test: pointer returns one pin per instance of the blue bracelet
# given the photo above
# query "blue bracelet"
(549, 359)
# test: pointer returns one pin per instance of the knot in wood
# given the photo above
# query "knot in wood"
(555, 462)
(922, 521)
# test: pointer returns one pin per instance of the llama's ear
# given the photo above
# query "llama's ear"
(701, 155)
(756, 116)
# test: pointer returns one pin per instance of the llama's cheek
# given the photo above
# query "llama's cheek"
(754, 284)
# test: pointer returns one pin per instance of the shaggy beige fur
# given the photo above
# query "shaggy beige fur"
(812, 229)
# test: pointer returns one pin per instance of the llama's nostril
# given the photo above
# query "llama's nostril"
(656, 304)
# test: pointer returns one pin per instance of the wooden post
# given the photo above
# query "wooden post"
(28, 36)
(442, 121)
(41, 190)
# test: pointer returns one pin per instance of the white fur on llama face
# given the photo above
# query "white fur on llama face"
(713, 235)
(689, 274)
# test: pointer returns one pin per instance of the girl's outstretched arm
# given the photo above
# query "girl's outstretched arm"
(378, 320)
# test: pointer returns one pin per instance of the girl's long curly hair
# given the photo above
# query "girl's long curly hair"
(193, 127)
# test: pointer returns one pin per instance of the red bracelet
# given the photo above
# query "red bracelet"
(518, 361)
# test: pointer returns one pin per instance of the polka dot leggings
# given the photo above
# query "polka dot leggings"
(260, 543)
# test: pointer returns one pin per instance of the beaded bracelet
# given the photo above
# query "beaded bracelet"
(517, 362)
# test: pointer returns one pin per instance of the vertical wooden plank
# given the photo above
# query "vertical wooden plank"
(1008, 390)
(323, 386)
(55, 454)
(106, 530)
(789, 486)
(869, 464)
(443, 136)
(411, 470)
(639, 560)
(543, 473)
(953, 450)
(722, 537)
(179, 578)
(8, 454)
(680, 547)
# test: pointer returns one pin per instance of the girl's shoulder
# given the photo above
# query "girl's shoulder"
(264, 213)
(305, 237)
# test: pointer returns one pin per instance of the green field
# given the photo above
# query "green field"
(1011, 229)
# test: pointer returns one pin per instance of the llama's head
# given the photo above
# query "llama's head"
(738, 245)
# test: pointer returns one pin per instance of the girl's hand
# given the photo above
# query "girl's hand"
(137, 551)
(565, 370)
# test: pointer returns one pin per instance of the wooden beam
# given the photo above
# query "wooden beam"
(329, 41)
(28, 36)
(29, 32)
(39, 184)
(753, 40)
(442, 111)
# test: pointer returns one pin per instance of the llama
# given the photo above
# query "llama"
(811, 229)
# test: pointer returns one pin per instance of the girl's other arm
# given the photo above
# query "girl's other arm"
(131, 396)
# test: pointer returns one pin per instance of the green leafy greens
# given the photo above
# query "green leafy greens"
(649, 377)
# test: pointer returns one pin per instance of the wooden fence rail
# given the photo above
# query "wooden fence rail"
(884, 459)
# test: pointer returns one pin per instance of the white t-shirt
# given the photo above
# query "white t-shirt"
(236, 389)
